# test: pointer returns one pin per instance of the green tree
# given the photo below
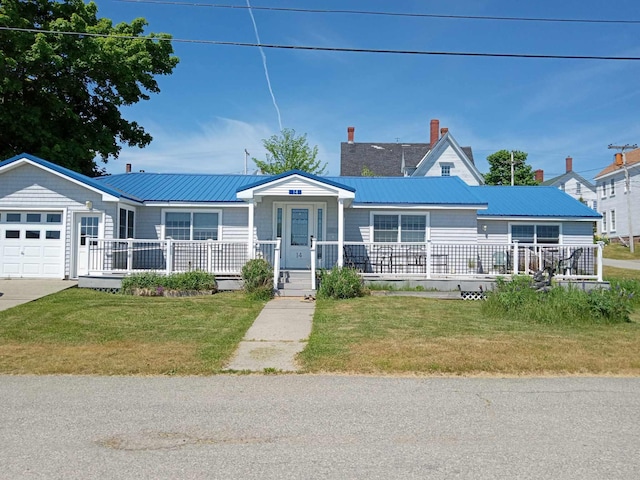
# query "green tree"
(500, 169)
(61, 93)
(289, 152)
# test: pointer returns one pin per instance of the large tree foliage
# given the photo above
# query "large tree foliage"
(500, 169)
(60, 93)
(289, 152)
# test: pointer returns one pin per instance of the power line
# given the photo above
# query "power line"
(388, 14)
(328, 49)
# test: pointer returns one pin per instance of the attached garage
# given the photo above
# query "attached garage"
(32, 244)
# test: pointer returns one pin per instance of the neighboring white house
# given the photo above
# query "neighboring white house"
(56, 223)
(614, 199)
(572, 183)
(441, 157)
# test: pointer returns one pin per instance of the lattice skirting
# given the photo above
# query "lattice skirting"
(473, 295)
(106, 290)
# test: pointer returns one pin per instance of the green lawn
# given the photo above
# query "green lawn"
(617, 251)
(82, 331)
(402, 335)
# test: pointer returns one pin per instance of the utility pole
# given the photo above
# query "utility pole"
(512, 168)
(246, 156)
(627, 182)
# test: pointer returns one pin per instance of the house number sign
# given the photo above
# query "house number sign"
(295, 192)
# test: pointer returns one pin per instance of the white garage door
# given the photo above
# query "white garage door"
(32, 244)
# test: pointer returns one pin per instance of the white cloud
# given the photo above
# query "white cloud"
(215, 147)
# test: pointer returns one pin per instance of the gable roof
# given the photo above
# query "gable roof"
(70, 175)
(307, 175)
(535, 201)
(383, 159)
(567, 176)
(632, 157)
(438, 149)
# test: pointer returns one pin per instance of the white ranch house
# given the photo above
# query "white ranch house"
(56, 223)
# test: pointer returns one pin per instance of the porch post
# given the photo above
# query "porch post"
(250, 239)
(428, 259)
(515, 257)
(313, 263)
(340, 232)
(276, 263)
(599, 259)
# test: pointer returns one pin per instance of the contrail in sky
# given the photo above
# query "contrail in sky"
(264, 62)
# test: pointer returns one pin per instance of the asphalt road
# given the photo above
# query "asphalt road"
(308, 427)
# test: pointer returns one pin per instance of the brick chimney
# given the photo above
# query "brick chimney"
(351, 132)
(539, 175)
(443, 131)
(569, 161)
(127, 168)
(435, 126)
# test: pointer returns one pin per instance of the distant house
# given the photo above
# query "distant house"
(572, 183)
(613, 196)
(441, 157)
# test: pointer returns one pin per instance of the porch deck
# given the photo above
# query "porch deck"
(429, 264)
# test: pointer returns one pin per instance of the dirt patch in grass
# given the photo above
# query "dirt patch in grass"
(111, 358)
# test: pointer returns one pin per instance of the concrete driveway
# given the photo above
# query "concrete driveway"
(22, 290)
(628, 264)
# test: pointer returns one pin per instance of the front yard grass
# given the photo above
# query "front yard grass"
(80, 331)
(618, 251)
(403, 335)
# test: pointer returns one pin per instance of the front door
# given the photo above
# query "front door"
(87, 228)
(298, 232)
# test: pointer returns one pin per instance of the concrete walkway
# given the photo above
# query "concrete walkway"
(22, 290)
(628, 264)
(279, 333)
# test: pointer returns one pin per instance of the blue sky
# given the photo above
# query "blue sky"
(217, 102)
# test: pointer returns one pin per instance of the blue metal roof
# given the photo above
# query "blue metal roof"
(271, 178)
(412, 190)
(68, 173)
(534, 201)
(179, 187)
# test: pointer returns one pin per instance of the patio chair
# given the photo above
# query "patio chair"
(354, 260)
(570, 264)
(500, 260)
(383, 259)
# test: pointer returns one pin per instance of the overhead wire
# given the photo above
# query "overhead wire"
(328, 49)
(389, 14)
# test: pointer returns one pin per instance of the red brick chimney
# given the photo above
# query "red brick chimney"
(539, 175)
(569, 164)
(435, 126)
(443, 131)
(351, 132)
(127, 168)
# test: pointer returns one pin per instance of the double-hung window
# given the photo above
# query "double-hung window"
(535, 233)
(394, 228)
(126, 222)
(191, 225)
(613, 187)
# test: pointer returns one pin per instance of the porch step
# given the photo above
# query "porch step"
(295, 283)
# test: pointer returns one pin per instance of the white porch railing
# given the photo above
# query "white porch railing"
(422, 260)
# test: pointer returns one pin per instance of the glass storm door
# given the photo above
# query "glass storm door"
(87, 228)
(298, 236)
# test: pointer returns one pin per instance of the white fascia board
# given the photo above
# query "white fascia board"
(195, 204)
(621, 170)
(106, 197)
(539, 219)
(404, 206)
(436, 152)
(251, 193)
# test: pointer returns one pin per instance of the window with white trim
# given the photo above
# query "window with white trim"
(543, 234)
(604, 189)
(604, 222)
(578, 188)
(612, 220)
(399, 228)
(445, 170)
(191, 225)
(126, 223)
(613, 187)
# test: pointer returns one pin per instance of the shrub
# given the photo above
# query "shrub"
(341, 283)
(257, 276)
(517, 300)
(154, 283)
